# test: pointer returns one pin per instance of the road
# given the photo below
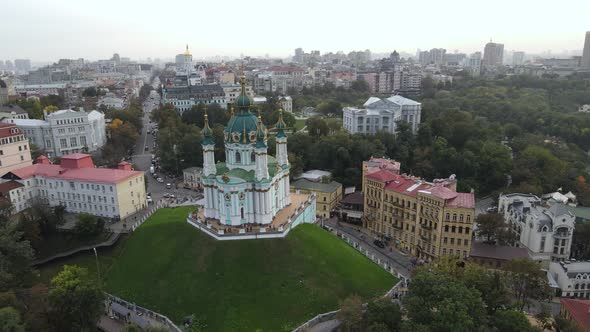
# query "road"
(399, 261)
(145, 148)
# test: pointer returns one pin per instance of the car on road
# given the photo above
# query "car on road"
(379, 244)
(168, 186)
(160, 180)
(492, 209)
(166, 195)
(149, 200)
(172, 196)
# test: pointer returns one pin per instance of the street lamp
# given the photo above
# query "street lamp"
(97, 268)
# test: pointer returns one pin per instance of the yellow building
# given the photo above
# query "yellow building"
(81, 187)
(425, 219)
(328, 194)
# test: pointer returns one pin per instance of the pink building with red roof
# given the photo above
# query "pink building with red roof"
(81, 187)
(426, 219)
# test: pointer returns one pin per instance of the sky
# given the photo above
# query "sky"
(43, 30)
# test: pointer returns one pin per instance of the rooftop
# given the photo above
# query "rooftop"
(8, 186)
(579, 311)
(316, 186)
(75, 168)
(479, 249)
(314, 175)
(355, 198)
(12, 108)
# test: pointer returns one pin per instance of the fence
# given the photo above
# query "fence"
(165, 321)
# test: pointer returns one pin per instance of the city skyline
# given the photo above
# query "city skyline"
(46, 32)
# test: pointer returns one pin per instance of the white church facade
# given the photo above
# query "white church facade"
(250, 187)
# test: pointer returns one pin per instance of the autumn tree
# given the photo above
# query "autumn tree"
(351, 314)
(76, 302)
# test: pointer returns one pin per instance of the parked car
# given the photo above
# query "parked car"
(492, 209)
(160, 180)
(379, 244)
(168, 186)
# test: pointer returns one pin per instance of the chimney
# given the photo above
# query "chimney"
(43, 160)
(124, 166)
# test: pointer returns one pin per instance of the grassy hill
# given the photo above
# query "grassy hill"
(272, 285)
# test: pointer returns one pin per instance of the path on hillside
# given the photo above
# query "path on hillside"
(109, 242)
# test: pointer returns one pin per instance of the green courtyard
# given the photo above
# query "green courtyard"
(268, 285)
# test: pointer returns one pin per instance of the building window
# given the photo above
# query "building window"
(63, 142)
(73, 141)
(238, 157)
(83, 140)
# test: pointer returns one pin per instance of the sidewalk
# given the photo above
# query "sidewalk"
(109, 242)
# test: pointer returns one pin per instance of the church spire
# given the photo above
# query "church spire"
(243, 101)
(281, 125)
(207, 132)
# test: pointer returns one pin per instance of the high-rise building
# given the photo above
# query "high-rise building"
(437, 56)
(586, 54)
(493, 54)
(517, 58)
(22, 65)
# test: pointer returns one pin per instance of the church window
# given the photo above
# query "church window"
(242, 212)
(252, 157)
(238, 157)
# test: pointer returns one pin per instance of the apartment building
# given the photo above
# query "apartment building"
(64, 132)
(81, 187)
(425, 219)
(14, 148)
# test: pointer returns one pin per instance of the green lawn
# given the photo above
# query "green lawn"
(273, 285)
(299, 124)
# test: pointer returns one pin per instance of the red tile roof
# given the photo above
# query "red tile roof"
(8, 186)
(579, 311)
(463, 200)
(407, 186)
(9, 129)
(78, 167)
(383, 176)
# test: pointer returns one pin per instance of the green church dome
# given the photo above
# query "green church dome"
(243, 126)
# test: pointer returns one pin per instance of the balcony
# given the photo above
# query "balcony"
(562, 235)
(425, 226)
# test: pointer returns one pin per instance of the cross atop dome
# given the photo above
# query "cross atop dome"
(187, 52)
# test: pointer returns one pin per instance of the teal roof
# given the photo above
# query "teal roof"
(242, 128)
(281, 125)
(579, 212)
(243, 174)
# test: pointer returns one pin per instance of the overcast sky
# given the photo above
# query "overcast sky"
(47, 30)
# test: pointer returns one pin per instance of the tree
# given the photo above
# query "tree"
(491, 226)
(526, 281)
(88, 225)
(50, 109)
(76, 302)
(351, 313)
(10, 320)
(512, 321)
(316, 126)
(359, 86)
(442, 297)
(383, 312)
(565, 325)
(16, 256)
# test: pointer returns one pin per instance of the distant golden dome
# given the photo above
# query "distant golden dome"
(187, 52)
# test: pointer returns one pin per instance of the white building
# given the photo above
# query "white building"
(546, 231)
(110, 100)
(192, 178)
(573, 278)
(232, 91)
(382, 115)
(14, 192)
(65, 132)
(286, 103)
